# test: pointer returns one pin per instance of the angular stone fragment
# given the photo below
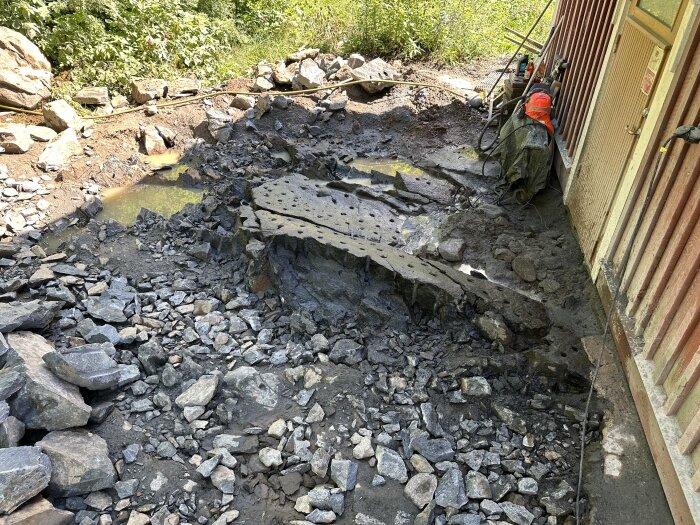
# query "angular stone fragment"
(25, 73)
(148, 89)
(476, 386)
(517, 513)
(390, 464)
(434, 450)
(92, 96)
(200, 393)
(153, 143)
(302, 54)
(420, 489)
(347, 351)
(372, 73)
(24, 472)
(80, 462)
(109, 309)
(11, 381)
(39, 511)
(450, 491)
(237, 444)
(183, 87)
(344, 473)
(218, 124)
(251, 384)
(59, 116)
(88, 366)
(224, 479)
(41, 133)
(59, 151)
(435, 189)
(309, 74)
(45, 401)
(32, 315)
(477, 486)
(15, 138)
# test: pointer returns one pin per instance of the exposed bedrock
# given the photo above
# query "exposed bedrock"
(332, 251)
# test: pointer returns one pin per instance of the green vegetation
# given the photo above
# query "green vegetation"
(109, 42)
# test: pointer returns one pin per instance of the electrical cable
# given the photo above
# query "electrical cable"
(618, 282)
(189, 100)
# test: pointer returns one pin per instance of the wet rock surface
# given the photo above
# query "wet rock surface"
(297, 348)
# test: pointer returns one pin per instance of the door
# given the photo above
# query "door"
(638, 55)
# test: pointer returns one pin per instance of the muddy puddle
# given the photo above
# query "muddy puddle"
(154, 193)
(387, 167)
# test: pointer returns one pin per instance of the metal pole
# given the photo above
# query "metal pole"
(520, 47)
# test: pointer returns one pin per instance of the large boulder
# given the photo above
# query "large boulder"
(25, 74)
(44, 401)
(372, 73)
(80, 462)
(24, 472)
(24, 316)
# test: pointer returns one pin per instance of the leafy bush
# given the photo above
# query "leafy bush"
(109, 42)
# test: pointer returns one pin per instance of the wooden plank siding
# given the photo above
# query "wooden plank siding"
(660, 286)
(582, 40)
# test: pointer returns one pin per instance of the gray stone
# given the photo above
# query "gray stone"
(59, 116)
(109, 309)
(80, 462)
(347, 351)
(450, 491)
(126, 488)
(356, 60)
(243, 102)
(255, 386)
(344, 474)
(91, 207)
(517, 513)
(432, 449)
(476, 386)
(426, 516)
(528, 486)
(493, 326)
(477, 485)
(15, 138)
(200, 393)
(320, 461)
(24, 472)
(364, 519)
(512, 420)
(372, 73)
(391, 465)
(145, 90)
(420, 489)
(452, 250)
(302, 54)
(270, 457)
(237, 444)
(224, 479)
(93, 96)
(524, 267)
(11, 381)
(25, 73)
(218, 122)
(321, 516)
(152, 356)
(34, 315)
(152, 141)
(324, 499)
(309, 74)
(44, 401)
(41, 133)
(184, 87)
(39, 511)
(465, 519)
(88, 366)
(490, 507)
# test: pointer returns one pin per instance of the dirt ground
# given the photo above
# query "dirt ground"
(543, 378)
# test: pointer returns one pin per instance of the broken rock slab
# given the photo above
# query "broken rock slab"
(309, 74)
(80, 462)
(24, 472)
(44, 401)
(372, 73)
(145, 90)
(15, 139)
(87, 366)
(25, 73)
(93, 96)
(59, 116)
(32, 315)
(200, 393)
(59, 151)
(249, 383)
(39, 511)
(435, 189)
